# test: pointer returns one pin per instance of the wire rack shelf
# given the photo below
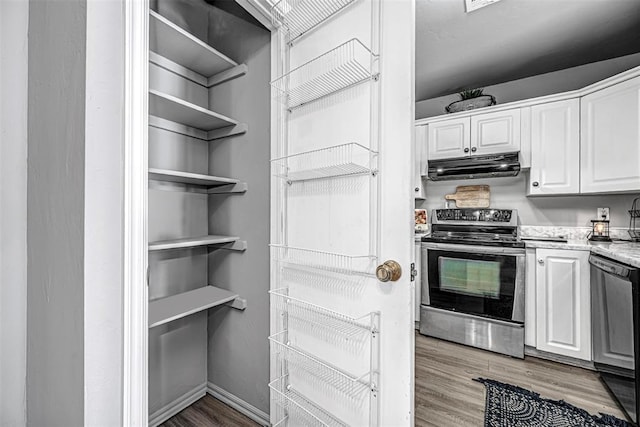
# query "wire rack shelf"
(347, 385)
(338, 323)
(340, 68)
(298, 17)
(293, 409)
(328, 261)
(338, 160)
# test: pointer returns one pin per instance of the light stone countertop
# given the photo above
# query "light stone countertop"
(625, 252)
(622, 251)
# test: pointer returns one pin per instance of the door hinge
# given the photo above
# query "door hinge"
(147, 275)
(414, 272)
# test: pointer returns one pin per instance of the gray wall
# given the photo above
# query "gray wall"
(55, 222)
(238, 346)
(570, 211)
(540, 85)
(14, 17)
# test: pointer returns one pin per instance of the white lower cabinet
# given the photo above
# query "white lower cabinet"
(563, 311)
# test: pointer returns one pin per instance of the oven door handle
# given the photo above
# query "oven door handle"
(498, 250)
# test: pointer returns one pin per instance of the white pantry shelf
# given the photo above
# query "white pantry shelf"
(176, 44)
(338, 381)
(340, 160)
(301, 16)
(338, 69)
(175, 307)
(180, 111)
(189, 178)
(328, 261)
(191, 242)
(292, 408)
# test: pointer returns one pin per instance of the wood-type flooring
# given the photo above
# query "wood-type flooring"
(209, 412)
(445, 395)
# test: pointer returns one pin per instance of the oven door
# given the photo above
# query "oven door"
(482, 280)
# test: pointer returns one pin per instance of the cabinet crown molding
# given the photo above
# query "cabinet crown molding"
(602, 84)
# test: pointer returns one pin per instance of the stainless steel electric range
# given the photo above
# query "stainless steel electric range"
(473, 279)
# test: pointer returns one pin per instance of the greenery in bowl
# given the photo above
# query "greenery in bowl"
(470, 93)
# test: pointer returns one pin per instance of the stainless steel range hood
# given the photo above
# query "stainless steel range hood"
(489, 166)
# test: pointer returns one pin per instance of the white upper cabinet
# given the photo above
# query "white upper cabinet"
(555, 148)
(494, 133)
(610, 141)
(563, 310)
(489, 133)
(449, 138)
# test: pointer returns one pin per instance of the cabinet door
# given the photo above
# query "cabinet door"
(494, 133)
(420, 162)
(530, 299)
(563, 308)
(449, 138)
(417, 283)
(555, 148)
(610, 142)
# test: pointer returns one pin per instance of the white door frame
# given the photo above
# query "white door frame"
(135, 323)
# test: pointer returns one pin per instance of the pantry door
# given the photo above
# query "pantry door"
(342, 339)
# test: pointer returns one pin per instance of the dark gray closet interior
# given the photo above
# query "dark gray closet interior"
(209, 145)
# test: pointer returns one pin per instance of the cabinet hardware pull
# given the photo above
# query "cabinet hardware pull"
(535, 183)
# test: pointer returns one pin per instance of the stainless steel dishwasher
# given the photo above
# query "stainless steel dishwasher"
(614, 330)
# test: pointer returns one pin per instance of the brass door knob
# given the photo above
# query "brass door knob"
(389, 271)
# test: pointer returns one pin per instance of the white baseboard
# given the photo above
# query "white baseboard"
(172, 408)
(238, 404)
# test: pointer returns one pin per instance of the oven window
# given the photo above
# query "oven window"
(470, 277)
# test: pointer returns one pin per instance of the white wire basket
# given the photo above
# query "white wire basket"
(338, 160)
(298, 17)
(340, 68)
(338, 323)
(293, 409)
(329, 261)
(339, 382)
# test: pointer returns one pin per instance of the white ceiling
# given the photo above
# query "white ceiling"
(513, 39)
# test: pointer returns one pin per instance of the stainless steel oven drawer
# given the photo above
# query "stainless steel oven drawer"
(489, 334)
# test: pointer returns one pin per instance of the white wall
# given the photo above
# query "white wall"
(103, 213)
(540, 85)
(509, 193)
(14, 17)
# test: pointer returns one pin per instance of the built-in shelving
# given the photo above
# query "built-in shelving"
(178, 45)
(189, 178)
(191, 242)
(298, 17)
(339, 160)
(328, 261)
(175, 307)
(294, 409)
(178, 110)
(338, 69)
